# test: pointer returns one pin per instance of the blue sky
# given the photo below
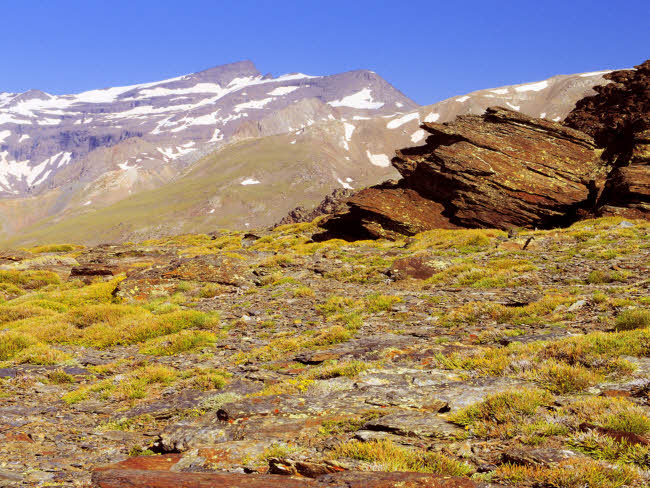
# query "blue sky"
(430, 50)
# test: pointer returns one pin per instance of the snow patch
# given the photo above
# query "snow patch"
(217, 136)
(514, 107)
(88, 203)
(250, 181)
(4, 134)
(344, 184)
(557, 119)
(532, 86)
(378, 159)
(256, 104)
(500, 91)
(463, 99)
(595, 73)
(361, 99)
(282, 90)
(23, 138)
(125, 166)
(542, 115)
(418, 135)
(399, 105)
(432, 117)
(394, 124)
(349, 130)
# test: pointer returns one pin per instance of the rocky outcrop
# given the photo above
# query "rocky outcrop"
(333, 203)
(617, 112)
(501, 169)
(504, 169)
(618, 117)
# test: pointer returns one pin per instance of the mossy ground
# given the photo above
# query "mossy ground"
(566, 317)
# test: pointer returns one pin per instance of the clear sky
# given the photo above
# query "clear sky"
(430, 50)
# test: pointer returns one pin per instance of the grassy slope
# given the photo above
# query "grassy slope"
(183, 205)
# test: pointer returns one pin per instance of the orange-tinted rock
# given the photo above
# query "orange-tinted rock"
(501, 169)
(149, 463)
(386, 211)
(121, 478)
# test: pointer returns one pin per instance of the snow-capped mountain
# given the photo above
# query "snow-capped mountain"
(43, 135)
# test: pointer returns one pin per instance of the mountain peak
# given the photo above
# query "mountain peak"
(225, 73)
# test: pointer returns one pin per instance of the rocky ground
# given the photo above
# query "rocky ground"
(482, 357)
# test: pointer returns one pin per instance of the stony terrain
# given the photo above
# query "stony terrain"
(466, 357)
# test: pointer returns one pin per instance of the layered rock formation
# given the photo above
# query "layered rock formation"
(504, 169)
(618, 118)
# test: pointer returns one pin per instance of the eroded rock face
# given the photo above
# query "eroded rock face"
(618, 117)
(504, 169)
(501, 169)
(618, 110)
(333, 203)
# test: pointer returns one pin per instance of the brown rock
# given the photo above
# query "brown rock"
(627, 192)
(219, 269)
(419, 267)
(123, 478)
(500, 170)
(90, 271)
(618, 110)
(357, 479)
(618, 117)
(503, 169)
(149, 463)
(387, 211)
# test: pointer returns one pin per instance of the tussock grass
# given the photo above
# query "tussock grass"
(54, 248)
(578, 473)
(504, 415)
(633, 319)
(391, 457)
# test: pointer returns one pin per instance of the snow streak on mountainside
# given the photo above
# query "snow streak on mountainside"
(42, 135)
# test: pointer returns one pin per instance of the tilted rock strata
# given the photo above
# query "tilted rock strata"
(502, 169)
(505, 169)
(618, 117)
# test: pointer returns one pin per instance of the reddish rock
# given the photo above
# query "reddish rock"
(618, 117)
(378, 479)
(123, 478)
(219, 269)
(618, 110)
(419, 267)
(149, 463)
(387, 211)
(502, 169)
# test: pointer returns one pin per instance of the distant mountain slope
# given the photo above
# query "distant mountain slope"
(272, 162)
(47, 141)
